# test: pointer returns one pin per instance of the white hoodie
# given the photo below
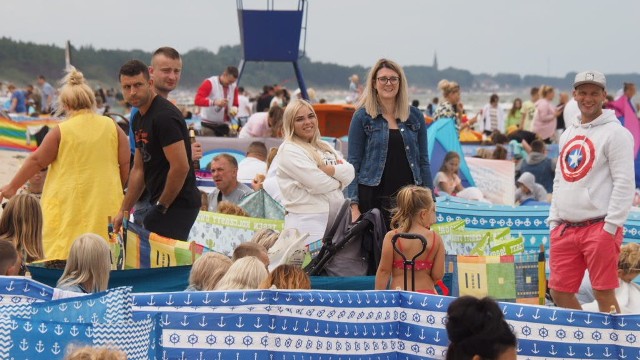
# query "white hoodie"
(594, 173)
(305, 188)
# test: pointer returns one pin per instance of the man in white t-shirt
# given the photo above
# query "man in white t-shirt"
(254, 163)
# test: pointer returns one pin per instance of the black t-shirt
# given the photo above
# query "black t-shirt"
(162, 126)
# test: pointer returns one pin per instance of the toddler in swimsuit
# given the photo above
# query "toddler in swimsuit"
(415, 212)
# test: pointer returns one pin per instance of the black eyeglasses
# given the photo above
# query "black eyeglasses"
(394, 80)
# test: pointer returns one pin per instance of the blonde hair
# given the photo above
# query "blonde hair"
(207, 271)
(229, 208)
(94, 353)
(75, 94)
(316, 143)
(287, 277)
(89, 263)
(271, 155)
(21, 223)
(629, 258)
(410, 201)
(447, 87)
(545, 90)
(246, 273)
(266, 238)
(369, 99)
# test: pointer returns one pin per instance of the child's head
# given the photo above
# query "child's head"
(21, 223)
(88, 264)
(629, 262)
(246, 273)
(499, 153)
(266, 238)
(451, 163)
(477, 329)
(413, 203)
(287, 277)
(229, 208)
(204, 201)
(207, 271)
(251, 249)
(8, 258)
(538, 146)
(94, 353)
(526, 182)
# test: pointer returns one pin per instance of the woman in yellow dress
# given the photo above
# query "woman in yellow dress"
(88, 160)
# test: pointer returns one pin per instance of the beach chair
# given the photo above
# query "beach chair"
(349, 248)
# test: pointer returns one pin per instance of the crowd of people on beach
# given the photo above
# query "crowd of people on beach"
(148, 170)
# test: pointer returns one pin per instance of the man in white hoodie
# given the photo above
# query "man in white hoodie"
(592, 194)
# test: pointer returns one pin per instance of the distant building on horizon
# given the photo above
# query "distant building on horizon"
(435, 61)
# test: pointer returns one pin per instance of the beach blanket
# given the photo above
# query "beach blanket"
(19, 133)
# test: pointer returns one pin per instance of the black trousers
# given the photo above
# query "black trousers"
(175, 224)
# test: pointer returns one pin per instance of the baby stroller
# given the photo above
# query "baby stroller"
(350, 248)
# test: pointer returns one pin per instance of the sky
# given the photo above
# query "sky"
(541, 37)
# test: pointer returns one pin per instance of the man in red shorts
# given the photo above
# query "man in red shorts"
(592, 193)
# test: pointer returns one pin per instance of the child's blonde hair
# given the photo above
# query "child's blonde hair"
(21, 223)
(88, 264)
(629, 259)
(229, 208)
(94, 353)
(266, 238)
(410, 201)
(246, 273)
(207, 271)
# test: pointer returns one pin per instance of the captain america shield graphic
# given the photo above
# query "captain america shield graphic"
(577, 158)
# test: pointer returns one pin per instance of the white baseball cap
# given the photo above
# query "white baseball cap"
(590, 77)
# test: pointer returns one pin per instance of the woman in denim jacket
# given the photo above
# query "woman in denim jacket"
(387, 142)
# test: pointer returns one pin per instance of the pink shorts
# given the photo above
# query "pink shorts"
(575, 249)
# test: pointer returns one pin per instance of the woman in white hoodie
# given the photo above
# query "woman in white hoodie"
(311, 174)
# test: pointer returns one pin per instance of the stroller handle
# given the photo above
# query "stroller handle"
(409, 263)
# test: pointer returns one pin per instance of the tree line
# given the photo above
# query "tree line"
(21, 62)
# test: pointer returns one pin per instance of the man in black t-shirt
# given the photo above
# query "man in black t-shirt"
(162, 161)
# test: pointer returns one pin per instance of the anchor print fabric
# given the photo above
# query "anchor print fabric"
(288, 325)
(29, 339)
(42, 339)
(20, 290)
(113, 305)
(292, 325)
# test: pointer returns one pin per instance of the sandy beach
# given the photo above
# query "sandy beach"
(10, 162)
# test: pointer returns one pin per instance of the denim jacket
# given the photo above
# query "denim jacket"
(368, 145)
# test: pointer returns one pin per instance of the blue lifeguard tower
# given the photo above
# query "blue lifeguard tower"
(273, 35)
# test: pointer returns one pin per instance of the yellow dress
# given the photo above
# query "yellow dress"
(83, 186)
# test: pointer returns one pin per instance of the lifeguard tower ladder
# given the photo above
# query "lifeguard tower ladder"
(273, 35)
